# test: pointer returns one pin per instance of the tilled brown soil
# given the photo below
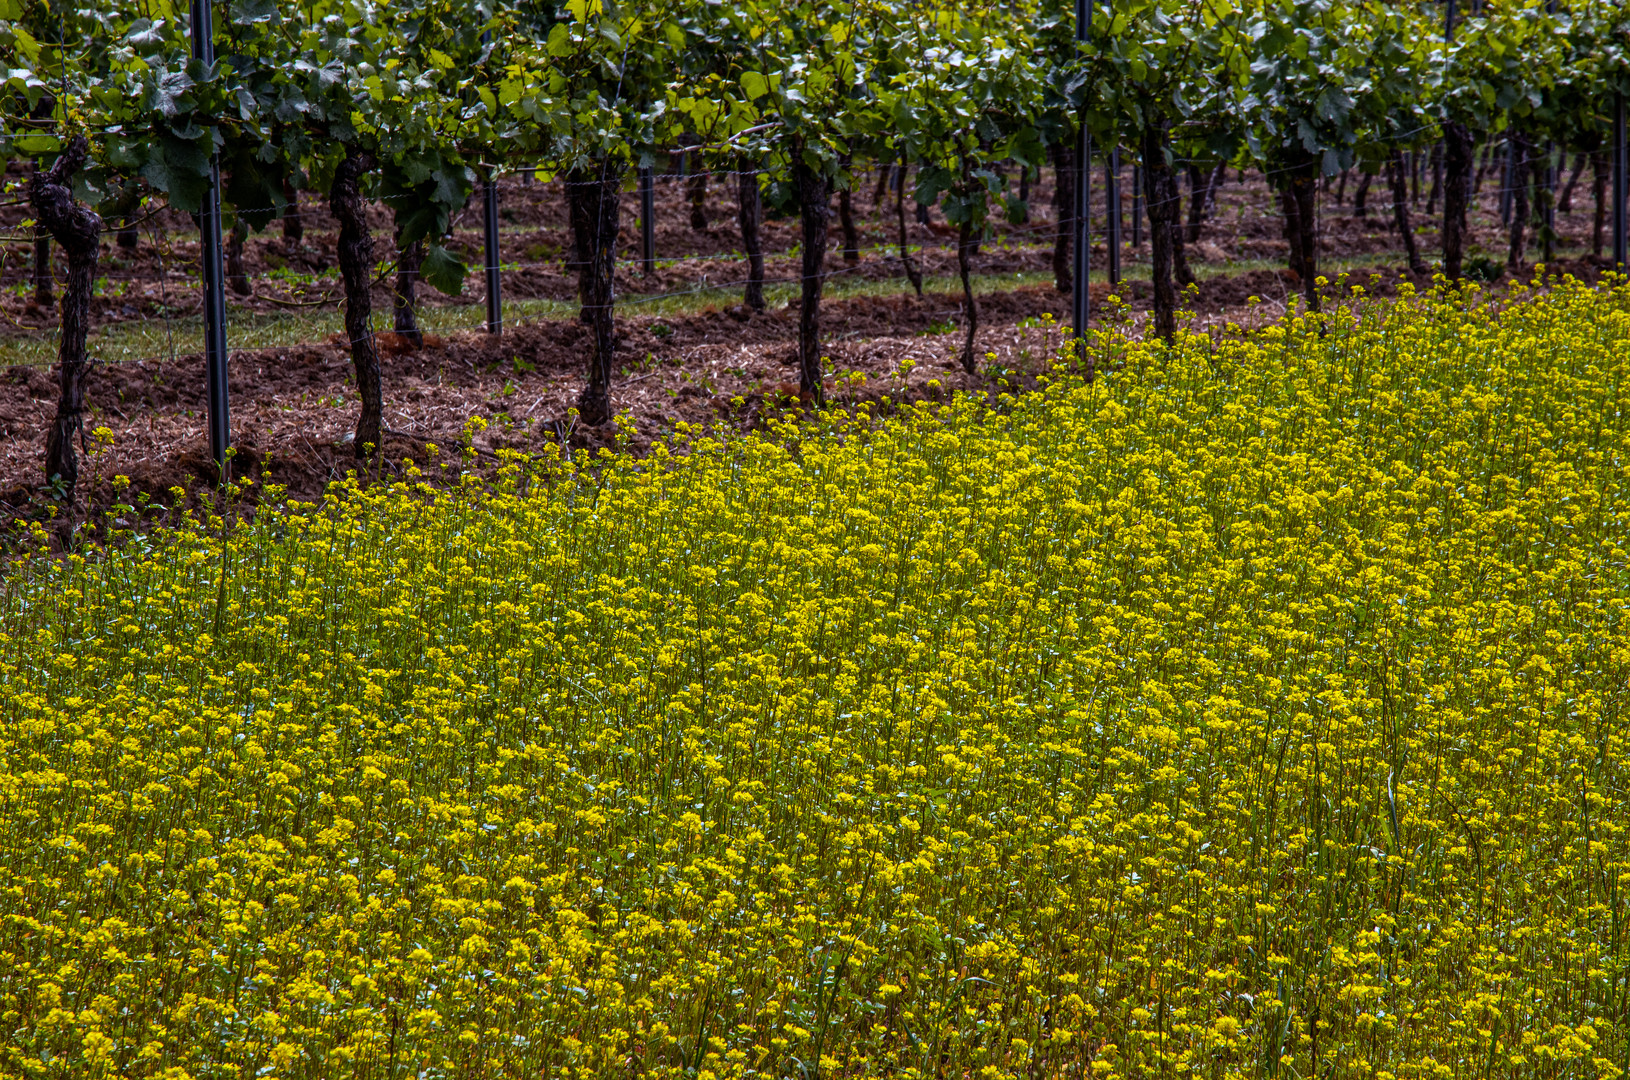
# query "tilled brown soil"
(725, 366)
(293, 409)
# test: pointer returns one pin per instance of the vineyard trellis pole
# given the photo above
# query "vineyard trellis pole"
(1112, 193)
(1620, 256)
(489, 220)
(1083, 162)
(1548, 237)
(495, 303)
(202, 32)
(648, 225)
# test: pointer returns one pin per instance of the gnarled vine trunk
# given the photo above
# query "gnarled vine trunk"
(1203, 185)
(582, 239)
(1522, 149)
(1160, 188)
(846, 215)
(1400, 213)
(1565, 203)
(1064, 215)
(294, 229)
(1483, 169)
(964, 265)
(812, 194)
(1180, 257)
(913, 275)
(405, 301)
(356, 259)
(749, 214)
(1544, 204)
(1291, 225)
(1458, 159)
(594, 200)
(77, 228)
(236, 274)
(1304, 191)
(696, 192)
(846, 221)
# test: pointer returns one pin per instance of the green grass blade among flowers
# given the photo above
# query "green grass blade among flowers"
(1263, 700)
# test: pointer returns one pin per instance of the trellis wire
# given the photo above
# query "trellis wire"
(1017, 236)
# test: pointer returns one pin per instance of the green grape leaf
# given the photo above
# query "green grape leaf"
(36, 144)
(164, 96)
(145, 37)
(443, 271)
(180, 169)
(418, 221)
(560, 41)
(249, 12)
(125, 153)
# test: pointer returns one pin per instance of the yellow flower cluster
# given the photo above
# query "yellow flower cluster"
(1259, 709)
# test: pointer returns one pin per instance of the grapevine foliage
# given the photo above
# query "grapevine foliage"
(427, 100)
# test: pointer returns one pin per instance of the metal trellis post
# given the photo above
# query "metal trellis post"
(495, 303)
(1083, 188)
(209, 228)
(648, 221)
(1112, 193)
(1550, 172)
(489, 220)
(1620, 257)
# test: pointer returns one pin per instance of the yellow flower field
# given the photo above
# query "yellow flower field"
(1256, 710)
